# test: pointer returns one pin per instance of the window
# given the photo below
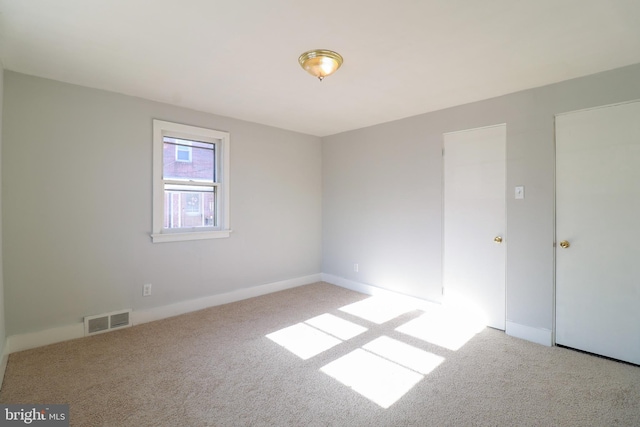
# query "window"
(193, 204)
(190, 183)
(183, 153)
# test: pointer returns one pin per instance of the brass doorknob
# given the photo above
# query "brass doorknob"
(564, 244)
(498, 239)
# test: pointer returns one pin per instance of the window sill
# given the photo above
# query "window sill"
(194, 235)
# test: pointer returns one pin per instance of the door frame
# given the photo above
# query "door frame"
(505, 232)
(555, 206)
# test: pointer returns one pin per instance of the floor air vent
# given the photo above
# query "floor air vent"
(107, 322)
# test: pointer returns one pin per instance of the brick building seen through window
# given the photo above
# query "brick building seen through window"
(189, 161)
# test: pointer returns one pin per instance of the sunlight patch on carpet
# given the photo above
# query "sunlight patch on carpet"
(378, 379)
(380, 309)
(465, 307)
(404, 354)
(336, 326)
(303, 340)
(444, 327)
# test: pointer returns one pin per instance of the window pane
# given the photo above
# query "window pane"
(188, 160)
(187, 209)
(192, 203)
(183, 153)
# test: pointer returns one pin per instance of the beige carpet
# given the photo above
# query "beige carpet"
(216, 367)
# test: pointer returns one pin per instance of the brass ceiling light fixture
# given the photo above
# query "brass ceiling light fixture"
(320, 63)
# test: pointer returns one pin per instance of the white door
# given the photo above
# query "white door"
(598, 215)
(474, 221)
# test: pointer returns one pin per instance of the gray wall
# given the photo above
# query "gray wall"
(382, 193)
(2, 316)
(76, 199)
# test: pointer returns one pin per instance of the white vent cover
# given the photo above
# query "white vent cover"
(107, 322)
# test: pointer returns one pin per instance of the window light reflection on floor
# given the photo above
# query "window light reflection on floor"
(384, 369)
(303, 340)
(374, 377)
(336, 326)
(380, 309)
(445, 327)
(404, 354)
(316, 335)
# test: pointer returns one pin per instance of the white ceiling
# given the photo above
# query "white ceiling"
(238, 58)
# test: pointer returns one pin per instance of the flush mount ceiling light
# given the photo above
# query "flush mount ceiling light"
(320, 63)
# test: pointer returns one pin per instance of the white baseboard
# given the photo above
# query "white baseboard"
(375, 291)
(537, 335)
(157, 313)
(353, 285)
(30, 340)
(3, 368)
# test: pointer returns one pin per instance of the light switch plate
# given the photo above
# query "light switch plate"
(520, 192)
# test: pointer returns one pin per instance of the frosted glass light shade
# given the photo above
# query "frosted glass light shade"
(320, 63)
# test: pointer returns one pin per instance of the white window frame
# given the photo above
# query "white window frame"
(222, 141)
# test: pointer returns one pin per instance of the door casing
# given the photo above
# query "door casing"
(474, 214)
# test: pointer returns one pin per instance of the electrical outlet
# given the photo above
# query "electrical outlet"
(146, 290)
(356, 268)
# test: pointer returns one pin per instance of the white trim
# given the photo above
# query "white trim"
(30, 340)
(376, 291)
(3, 367)
(597, 107)
(537, 335)
(353, 285)
(179, 237)
(222, 140)
(472, 129)
(555, 204)
(500, 322)
(157, 313)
